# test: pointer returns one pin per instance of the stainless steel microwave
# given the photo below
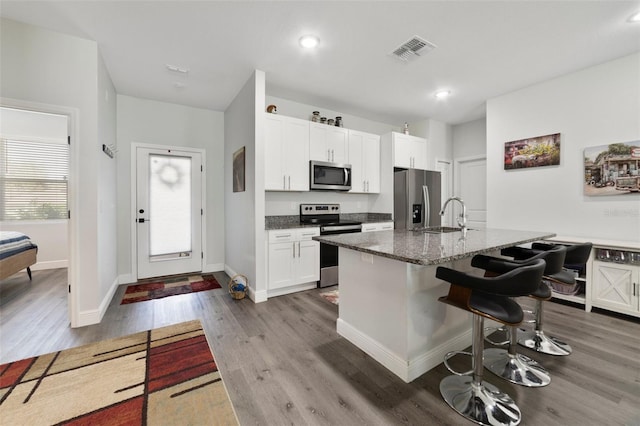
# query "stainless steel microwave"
(330, 176)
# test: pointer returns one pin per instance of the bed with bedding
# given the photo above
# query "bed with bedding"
(17, 252)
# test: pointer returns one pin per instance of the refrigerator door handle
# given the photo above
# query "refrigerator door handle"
(427, 215)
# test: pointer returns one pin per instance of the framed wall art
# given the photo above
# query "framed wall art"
(612, 169)
(532, 152)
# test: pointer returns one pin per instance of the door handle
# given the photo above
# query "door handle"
(427, 206)
(289, 182)
(141, 220)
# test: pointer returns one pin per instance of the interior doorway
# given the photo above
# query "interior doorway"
(168, 211)
(446, 188)
(471, 186)
(48, 130)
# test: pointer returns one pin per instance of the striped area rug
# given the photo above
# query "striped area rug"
(165, 376)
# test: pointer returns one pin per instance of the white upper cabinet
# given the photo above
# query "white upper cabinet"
(328, 143)
(409, 152)
(286, 153)
(364, 157)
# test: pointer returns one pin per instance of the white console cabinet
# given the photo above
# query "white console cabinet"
(616, 287)
(294, 260)
(612, 281)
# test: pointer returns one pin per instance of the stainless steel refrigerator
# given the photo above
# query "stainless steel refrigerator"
(416, 198)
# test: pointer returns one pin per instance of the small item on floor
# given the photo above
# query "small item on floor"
(238, 286)
(332, 296)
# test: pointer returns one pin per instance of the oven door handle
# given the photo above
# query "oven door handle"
(341, 228)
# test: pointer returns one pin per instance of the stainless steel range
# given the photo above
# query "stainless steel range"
(328, 217)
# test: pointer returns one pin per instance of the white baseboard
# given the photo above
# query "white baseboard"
(407, 370)
(213, 267)
(126, 279)
(94, 316)
(50, 264)
(292, 289)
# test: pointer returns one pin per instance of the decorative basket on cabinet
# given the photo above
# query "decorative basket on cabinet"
(238, 286)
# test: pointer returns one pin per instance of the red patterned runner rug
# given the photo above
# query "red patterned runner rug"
(168, 287)
(163, 376)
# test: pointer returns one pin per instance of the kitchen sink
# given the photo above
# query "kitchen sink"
(442, 229)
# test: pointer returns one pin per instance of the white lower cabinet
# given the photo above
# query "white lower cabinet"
(378, 226)
(294, 259)
(616, 287)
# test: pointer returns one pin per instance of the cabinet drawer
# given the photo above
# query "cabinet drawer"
(282, 235)
(297, 234)
(308, 233)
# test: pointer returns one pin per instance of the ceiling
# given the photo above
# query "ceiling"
(484, 49)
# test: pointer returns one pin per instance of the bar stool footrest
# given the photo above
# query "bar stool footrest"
(450, 355)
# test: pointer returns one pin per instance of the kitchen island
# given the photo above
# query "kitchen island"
(388, 304)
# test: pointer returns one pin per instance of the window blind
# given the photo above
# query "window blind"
(33, 180)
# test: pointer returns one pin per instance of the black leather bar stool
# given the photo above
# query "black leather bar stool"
(576, 257)
(485, 297)
(555, 258)
(508, 364)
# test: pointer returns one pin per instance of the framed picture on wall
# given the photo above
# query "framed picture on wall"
(612, 169)
(238, 170)
(532, 152)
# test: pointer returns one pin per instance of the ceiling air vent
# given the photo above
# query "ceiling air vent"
(413, 47)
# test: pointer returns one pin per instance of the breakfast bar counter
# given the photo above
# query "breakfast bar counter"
(388, 303)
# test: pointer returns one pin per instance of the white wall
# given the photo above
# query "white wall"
(160, 123)
(44, 67)
(107, 185)
(596, 106)
(470, 139)
(244, 211)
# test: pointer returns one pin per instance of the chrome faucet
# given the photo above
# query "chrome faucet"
(462, 218)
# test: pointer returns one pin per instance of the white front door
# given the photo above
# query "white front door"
(168, 211)
(471, 186)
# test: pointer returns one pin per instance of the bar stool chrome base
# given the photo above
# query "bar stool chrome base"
(539, 342)
(481, 403)
(516, 368)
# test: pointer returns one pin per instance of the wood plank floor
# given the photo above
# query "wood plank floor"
(283, 362)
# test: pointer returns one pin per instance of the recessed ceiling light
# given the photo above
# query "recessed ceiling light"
(442, 94)
(635, 17)
(309, 41)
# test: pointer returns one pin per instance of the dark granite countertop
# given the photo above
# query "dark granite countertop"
(424, 248)
(293, 221)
